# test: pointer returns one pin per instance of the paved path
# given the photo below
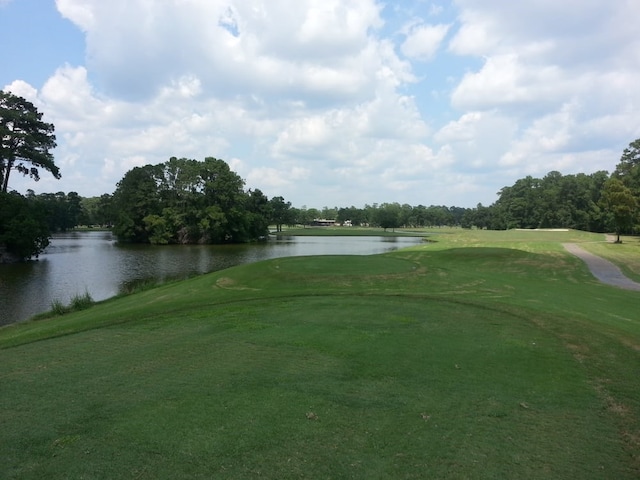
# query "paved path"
(602, 269)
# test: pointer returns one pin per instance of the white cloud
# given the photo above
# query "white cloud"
(476, 35)
(22, 89)
(423, 41)
(477, 139)
(507, 81)
(277, 47)
(346, 102)
(558, 74)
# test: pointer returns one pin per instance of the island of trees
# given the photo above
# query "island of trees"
(189, 201)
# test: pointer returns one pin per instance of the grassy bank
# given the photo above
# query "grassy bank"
(482, 355)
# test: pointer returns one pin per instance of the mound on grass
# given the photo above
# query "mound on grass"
(476, 363)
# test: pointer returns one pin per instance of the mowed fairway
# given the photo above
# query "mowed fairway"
(484, 355)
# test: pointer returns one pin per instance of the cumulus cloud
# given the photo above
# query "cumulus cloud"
(559, 75)
(331, 101)
(509, 82)
(423, 41)
(231, 47)
(23, 89)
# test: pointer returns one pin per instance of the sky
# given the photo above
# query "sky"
(329, 102)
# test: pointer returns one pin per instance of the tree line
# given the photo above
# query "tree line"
(598, 202)
(189, 201)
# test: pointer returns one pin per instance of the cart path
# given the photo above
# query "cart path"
(602, 269)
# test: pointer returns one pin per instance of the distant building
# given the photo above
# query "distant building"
(323, 222)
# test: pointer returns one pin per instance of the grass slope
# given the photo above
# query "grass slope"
(484, 355)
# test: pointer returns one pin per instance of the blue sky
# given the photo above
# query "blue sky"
(329, 102)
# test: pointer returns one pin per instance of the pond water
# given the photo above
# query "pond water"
(93, 262)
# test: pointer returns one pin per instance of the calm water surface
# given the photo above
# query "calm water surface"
(93, 262)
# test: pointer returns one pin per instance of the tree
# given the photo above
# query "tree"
(24, 232)
(259, 211)
(389, 215)
(621, 204)
(26, 139)
(303, 215)
(280, 212)
(628, 170)
(187, 201)
(96, 211)
(135, 198)
(630, 158)
(105, 211)
(355, 215)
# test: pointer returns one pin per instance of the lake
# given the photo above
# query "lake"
(93, 262)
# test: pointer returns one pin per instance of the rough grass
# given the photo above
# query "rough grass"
(484, 355)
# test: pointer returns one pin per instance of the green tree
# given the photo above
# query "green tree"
(407, 218)
(357, 216)
(26, 140)
(312, 214)
(329, 213)
(280, 212)
(630, 159)
(304, 216)
(135, 198)
(259, 212)
(186, 201)
(628, 170)
(621, 204)
(64, 211)
(24, 232)
(389, 215)
(96, 211)
(224, 190)
(105, 211)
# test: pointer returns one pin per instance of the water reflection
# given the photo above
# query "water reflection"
(79, 262)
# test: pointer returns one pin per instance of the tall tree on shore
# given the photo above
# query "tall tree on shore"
(24, 231)
(628, 170)
(621, 204)
(389, 215)
(26, 141)
(280, 212)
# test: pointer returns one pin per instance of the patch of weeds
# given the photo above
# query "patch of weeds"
(81, 302)
(78, 302)
(58, 308)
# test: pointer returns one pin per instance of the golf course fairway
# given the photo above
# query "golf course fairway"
(477, 355)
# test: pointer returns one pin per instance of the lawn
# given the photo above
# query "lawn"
(350, 232)
(477, 355)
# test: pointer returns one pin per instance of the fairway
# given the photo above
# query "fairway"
(441, 361)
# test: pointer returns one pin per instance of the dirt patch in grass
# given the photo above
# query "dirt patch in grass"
(579, 352)
(227, 283)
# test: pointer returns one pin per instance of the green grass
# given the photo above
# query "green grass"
(483, 355)
(626, 254)
(351, 232)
